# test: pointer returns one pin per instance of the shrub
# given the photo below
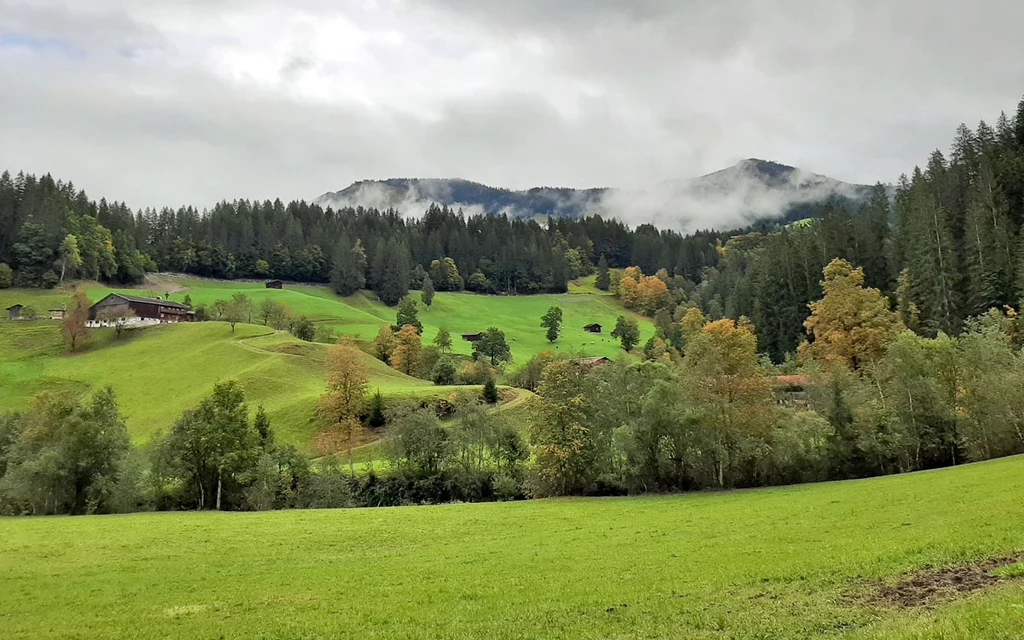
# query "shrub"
(6, 276)
(303, 329)
(507, 487)
(444, 372)
(490, 392)
(328, 487)
(476, 372)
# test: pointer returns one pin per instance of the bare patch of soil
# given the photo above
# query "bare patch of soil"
(932, 586)
(161, 283)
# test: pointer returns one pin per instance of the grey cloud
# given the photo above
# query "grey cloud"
(580, 93)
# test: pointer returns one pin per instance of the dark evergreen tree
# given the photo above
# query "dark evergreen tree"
(407, 314)
(349, 273)
(394, 273)
(427, 294)
(604, 279)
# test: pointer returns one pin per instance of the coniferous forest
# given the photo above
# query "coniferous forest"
(945, 243)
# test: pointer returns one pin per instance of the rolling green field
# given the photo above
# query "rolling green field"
(362, 315)
(796, 562)
(159, 371)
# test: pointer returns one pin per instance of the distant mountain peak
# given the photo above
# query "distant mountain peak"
(752, 189)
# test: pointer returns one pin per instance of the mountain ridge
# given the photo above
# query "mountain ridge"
(751, 190)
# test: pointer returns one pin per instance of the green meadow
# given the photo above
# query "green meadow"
(159, 371)
(362, 315)
(795, 562)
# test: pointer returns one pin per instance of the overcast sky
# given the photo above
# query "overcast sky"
(193, 101)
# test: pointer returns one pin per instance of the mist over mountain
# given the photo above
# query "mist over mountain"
(749, 191)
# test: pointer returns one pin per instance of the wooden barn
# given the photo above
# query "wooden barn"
(593, 362)
(57, 314)
(275, 284)
(119, 305)
(592, 328)
(472, 337)
(14, 311)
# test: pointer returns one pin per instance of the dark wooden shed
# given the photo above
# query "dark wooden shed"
(592, 328)
(14, 311)
(472, 337)
(275, 284)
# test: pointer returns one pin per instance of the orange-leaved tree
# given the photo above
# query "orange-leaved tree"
(75, 317)
(851, 324)
(408, 351)
(345, 399)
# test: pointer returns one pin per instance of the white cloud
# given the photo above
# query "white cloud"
(188, 101)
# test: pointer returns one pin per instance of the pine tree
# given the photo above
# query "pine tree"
(987, 245)
(349, 273)
(490, 392)
(407, 314)
(604, 279)
(427, 294)
(929, 253)
(394, 273)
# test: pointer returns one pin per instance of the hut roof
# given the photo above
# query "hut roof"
(141, 300)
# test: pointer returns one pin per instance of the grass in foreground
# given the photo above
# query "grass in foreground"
(794, 562)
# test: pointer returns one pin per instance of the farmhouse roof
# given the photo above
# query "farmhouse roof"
(141, 300)
(791, 379)
(592, 361)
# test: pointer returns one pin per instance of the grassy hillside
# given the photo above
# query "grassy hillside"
(796, 562)
(362, 315)
(159, 371)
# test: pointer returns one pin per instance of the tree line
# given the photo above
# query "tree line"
(865, 396)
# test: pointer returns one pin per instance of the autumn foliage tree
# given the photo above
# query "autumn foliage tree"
(851, 324)
(727, 389)
(384, 344)
(564, 444)
(340, 407)
(75, 317)
(651, 294)
(408, 351)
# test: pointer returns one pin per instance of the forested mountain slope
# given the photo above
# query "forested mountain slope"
(750, 191)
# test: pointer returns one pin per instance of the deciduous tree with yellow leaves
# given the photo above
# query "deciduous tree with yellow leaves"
(851, 324)
(408, 350)
(345, 399)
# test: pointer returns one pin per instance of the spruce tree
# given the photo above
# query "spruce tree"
(427, 294)
(408, 314)
(604, 279)
(349, 273)
(393, 284)
(987, 245)
(930, 255)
